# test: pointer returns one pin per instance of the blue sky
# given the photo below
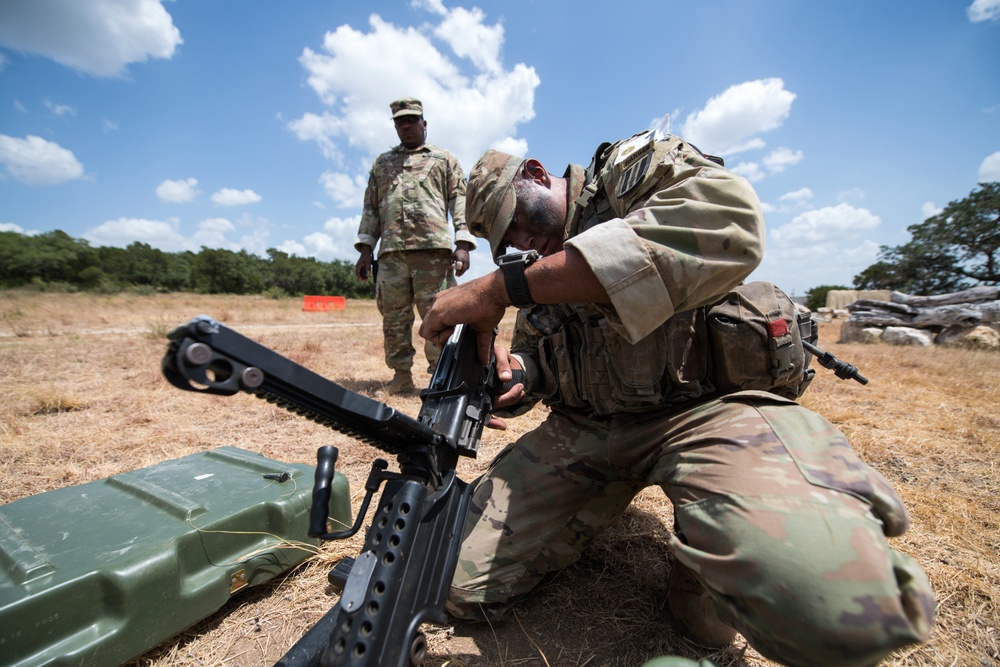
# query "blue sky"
(251, 125)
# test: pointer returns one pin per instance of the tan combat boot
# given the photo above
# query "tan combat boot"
(693, 610)
(402, 383)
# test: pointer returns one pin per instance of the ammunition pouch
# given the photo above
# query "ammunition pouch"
(588, 366)
(756, 338)
(750, 339)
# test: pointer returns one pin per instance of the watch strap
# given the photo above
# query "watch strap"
(512, 265)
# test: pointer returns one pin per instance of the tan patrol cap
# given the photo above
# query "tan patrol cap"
(407, 106)
(490, 198)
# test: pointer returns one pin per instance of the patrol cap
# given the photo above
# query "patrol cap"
(490, 198)
(407, 106)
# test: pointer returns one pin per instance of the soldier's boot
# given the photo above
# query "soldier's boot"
(402, 383)
(693, 611)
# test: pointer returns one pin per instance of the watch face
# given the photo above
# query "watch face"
(520, 256)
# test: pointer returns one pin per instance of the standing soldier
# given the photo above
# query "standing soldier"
(411, 190)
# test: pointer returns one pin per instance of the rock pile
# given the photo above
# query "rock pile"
(970, 319)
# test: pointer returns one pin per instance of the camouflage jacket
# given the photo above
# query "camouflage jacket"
(666, 231)
(409, 196)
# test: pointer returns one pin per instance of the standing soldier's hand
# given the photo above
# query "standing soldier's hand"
(460, 258)
(364, 265)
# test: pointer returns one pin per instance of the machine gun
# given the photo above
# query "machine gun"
(402, 576)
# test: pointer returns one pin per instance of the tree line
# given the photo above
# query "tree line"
(55, 260)
(956, 249)
(953, 250)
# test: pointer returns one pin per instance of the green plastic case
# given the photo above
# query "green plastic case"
(98, 573)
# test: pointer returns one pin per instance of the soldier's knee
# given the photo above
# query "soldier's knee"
(854, 616)
(807, 583)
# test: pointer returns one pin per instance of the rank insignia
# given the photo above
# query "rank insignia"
(632, 162)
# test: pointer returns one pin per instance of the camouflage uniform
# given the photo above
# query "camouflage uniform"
(409, 196)
(774, 512)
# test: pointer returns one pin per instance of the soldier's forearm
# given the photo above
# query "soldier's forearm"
(564, 277)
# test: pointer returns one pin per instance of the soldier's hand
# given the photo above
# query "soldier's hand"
(479, 303)
(460, 258)
(363, 267)
(506, 364)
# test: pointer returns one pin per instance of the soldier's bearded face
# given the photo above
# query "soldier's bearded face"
(539, 220)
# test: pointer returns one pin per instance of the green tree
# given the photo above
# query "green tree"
(50, 257)
(295, 276)
(342, 281)
(953, 250)
(220, 271)
(816, 296)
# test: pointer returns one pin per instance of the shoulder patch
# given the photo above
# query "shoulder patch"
(632, 162)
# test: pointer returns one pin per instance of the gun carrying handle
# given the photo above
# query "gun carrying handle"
(326, 459)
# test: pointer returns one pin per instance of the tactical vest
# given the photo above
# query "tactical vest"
(750, 339)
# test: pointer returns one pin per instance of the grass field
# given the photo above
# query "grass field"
(82, 398)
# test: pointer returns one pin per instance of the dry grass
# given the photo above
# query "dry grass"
(82, 398)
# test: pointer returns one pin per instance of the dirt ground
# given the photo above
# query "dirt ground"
(82, 398)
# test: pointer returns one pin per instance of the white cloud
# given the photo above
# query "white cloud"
(293, 248)
(799, 267)
(3, 61)
(167, 235)
(829, 225)
(800, 195)
(336, 241)
(989, 170)
(212, 232)
(98, 37)
(11, 227)
(231, 197)
(929, 210)
(345, 191)
(326, 248)
(518, 147)
(60, 109)
(108, 125)
(323, 129)
(730, 122)
(471, 102)
(463, 30)
(123, 231)
(827, 246)
(35, 161)
(797, 200)
(983, 10)
(748, 170)
(782, 158)
(178, 192)
(433, 6)
(254, 240)
(777, 161)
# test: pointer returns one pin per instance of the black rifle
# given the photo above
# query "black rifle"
(402, 576)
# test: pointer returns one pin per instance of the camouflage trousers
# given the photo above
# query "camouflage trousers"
(774, 512)
(406, 279)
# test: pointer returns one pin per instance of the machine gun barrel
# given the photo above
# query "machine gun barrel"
(841, 369)
(208, 357)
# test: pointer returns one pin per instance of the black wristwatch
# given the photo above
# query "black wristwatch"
(513, 265)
